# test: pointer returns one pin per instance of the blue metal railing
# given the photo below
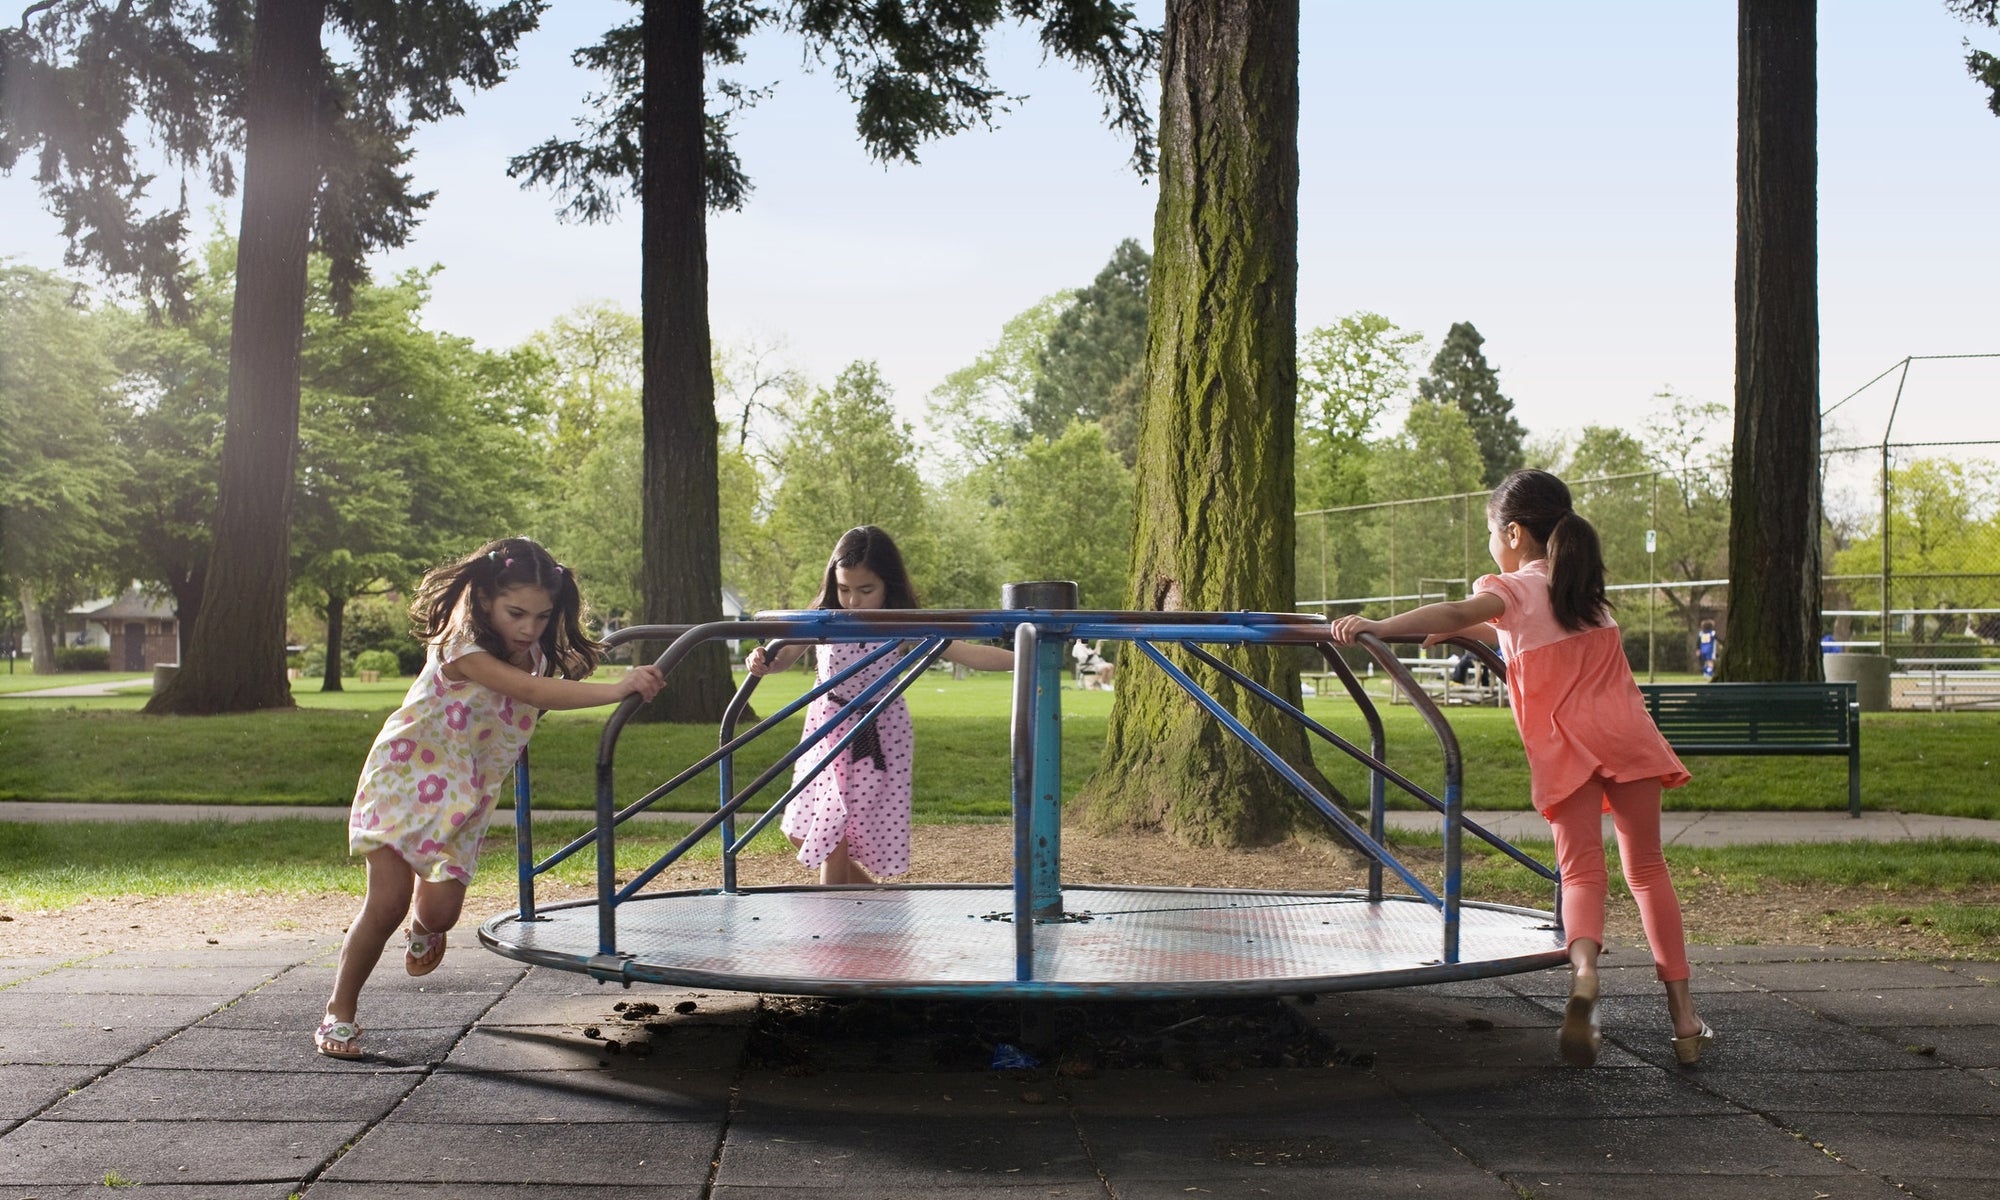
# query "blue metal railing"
(1038, 637)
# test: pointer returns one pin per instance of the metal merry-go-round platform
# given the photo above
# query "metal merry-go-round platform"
(1034, 936)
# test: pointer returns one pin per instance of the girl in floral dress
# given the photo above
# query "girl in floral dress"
(854, 817)
(501, 623)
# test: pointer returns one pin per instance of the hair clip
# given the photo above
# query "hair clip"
(559, 569)
(493, 556)
(508, 563)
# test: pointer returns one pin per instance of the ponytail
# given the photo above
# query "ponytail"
(1539, 503)
(1576, 573)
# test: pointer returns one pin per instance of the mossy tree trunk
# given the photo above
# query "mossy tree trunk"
(1213, 503)
(235, 657)
(1774, 520)
(681, 571)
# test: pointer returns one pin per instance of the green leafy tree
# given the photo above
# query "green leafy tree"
(1426, 549)
(1944, 522)
(1612, 485)
(62, 478)
(980, 410)
(1774, 527)
(411, 449)
(174, 376)
(324, 133)
(1213, 490)
(966, 569)
(848, 460)
(1460, 375)
(1684, 441)
(1982, 65)
(1350, 373)
(1093, 362)
(1066, 513)
(915, 72)
(593, 352)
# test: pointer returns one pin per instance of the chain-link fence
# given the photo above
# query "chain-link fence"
(1911, 559)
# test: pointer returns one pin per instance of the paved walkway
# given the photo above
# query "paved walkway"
(1677, 828)
(113, 687)
(1836, 1076)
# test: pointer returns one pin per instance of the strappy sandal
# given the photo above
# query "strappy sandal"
(332, 1033)
(1687, 1050)
(425, 950)
(1580, 1037)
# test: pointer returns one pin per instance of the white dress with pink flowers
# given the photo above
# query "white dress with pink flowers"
(427, 788)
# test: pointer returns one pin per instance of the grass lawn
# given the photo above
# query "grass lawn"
(22, 680)
(104, 749)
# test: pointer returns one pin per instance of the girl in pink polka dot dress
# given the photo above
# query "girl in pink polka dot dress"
(854, 817)
(499, 622)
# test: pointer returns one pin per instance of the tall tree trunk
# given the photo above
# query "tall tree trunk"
(236, 661)
(1212, 520)
(187, 588)
(336, 627)
(680, 535)
(1774, 518)
(36, 620)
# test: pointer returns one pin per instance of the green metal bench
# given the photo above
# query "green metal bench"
(1762, 718)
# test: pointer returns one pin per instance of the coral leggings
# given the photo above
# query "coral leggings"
(1579, 837)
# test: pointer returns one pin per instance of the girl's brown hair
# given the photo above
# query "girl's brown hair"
(868, 546)
(1539, 503)
(453, 595)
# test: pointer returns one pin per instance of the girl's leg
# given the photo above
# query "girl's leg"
(437, 908)
(388, 898)
(838, 868)
(1635, 809)
(1579, 839)
(1575, 822)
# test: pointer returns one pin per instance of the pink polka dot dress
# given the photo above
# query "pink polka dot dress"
(427, 788)
(863, 797)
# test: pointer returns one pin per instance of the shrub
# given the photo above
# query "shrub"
(83, 658)
(1670, 649)
(383, 661)
(379, 623)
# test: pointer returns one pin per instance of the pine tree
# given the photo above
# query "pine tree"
(1460, 375)
(1095, 353)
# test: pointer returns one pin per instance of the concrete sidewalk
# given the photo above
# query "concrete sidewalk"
(1835, 1075)
(1677, 828)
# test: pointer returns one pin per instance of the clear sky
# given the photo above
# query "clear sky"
(1559, 174)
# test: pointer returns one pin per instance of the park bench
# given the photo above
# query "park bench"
(1762, 719)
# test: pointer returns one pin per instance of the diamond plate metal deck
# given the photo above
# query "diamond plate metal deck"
(916, 940)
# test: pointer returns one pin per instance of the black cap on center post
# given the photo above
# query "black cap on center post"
(1040, 593)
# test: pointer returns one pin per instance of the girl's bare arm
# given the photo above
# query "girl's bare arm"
(490, 670)
(980, 658)
(1432, 620)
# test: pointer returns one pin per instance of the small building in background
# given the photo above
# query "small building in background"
(142, 632)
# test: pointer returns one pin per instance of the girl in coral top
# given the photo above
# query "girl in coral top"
(1591, 746)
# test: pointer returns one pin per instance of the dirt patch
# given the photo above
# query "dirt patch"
(1774, 915)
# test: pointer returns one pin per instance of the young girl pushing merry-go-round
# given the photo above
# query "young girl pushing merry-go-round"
(1590, 744)
(501, 624)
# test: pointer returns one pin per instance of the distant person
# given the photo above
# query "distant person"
(1827, 645)
(1589, 741)
(499, 623)
(854, 817)
(1705, 646)
(1086, 662)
